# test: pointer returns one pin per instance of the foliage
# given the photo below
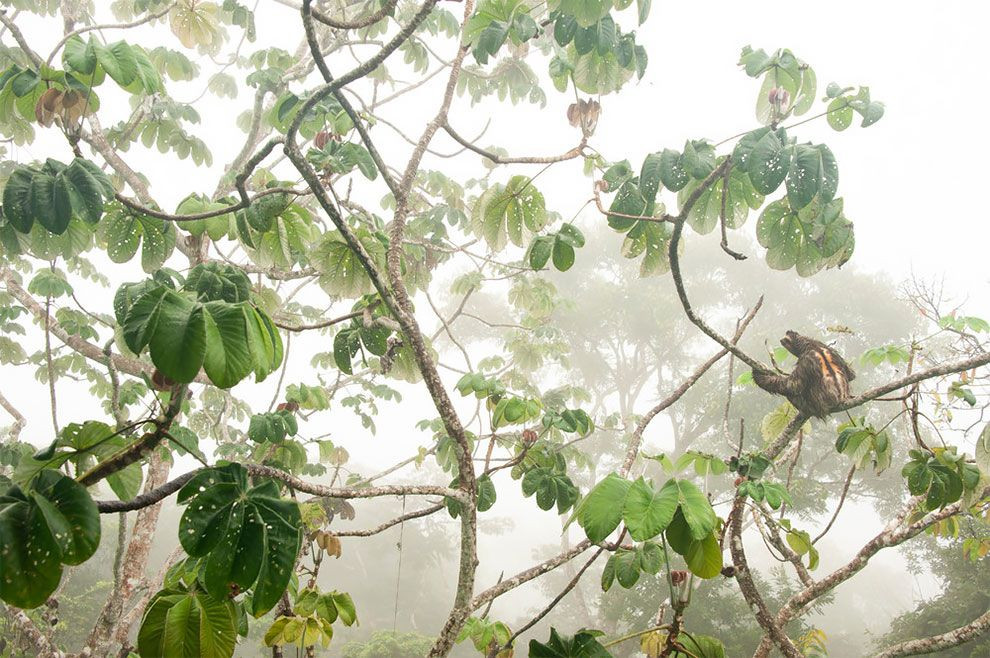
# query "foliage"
(50, 522)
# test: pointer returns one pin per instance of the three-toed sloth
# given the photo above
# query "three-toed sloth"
(819, 381)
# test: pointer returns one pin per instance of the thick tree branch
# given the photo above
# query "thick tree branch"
(893, 534)
(961, 365)
(322, 491)
(468, 560)
(137, 450)
(773, 628)
(946, 640)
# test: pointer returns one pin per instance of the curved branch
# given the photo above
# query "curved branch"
(426, 511)
(93, 352)
(341, 24)
(498, 159)
(151, 497)
(784, 438)
(321, 65)
(557, 599)
(838, 508)
(675, 265)
(19, 38)
(946, 640)
(360, 70)
(324, 491)
(148, 498)
(403, 312)
(178, 219)
(107, 26)
(892, 535)
(137, 450)
(318, 325)
(527, 575)
(19, 420)
(976, 361)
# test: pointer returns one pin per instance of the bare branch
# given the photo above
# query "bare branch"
(498, 159)
(637, 436)
(946, 640)
(675, 266)
(426, 511)
(19, 38)
(773, 628)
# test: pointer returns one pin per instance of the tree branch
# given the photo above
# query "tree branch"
(93, 352)
(946, 640)
(637, 436)
(773, 628)
(498, 159)
(675, 266)
(426, 511)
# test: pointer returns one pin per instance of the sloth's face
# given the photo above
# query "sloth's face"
(788, 340)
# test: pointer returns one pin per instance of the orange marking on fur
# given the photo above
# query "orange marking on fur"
(823, 364)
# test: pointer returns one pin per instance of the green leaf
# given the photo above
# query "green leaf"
(51, 523)
(673, 174)
(600, 512)
(255, 525)
(341, 268)
(227, 357)
(218, 282)
(540, 250)
(840, 114)
(650, 176)
(187, 623)
(17, 199)
(586, 12)
(513, 211)
(813, 173)
(79, 55)
(646, 512)
(126, 230)
(704, 557)
(768, 163)
(178, 344)
(693, 503)
(118, 60)
(563, 255)
(582, 645)
(486, 493)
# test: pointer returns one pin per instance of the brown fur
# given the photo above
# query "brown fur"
(819, 381)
